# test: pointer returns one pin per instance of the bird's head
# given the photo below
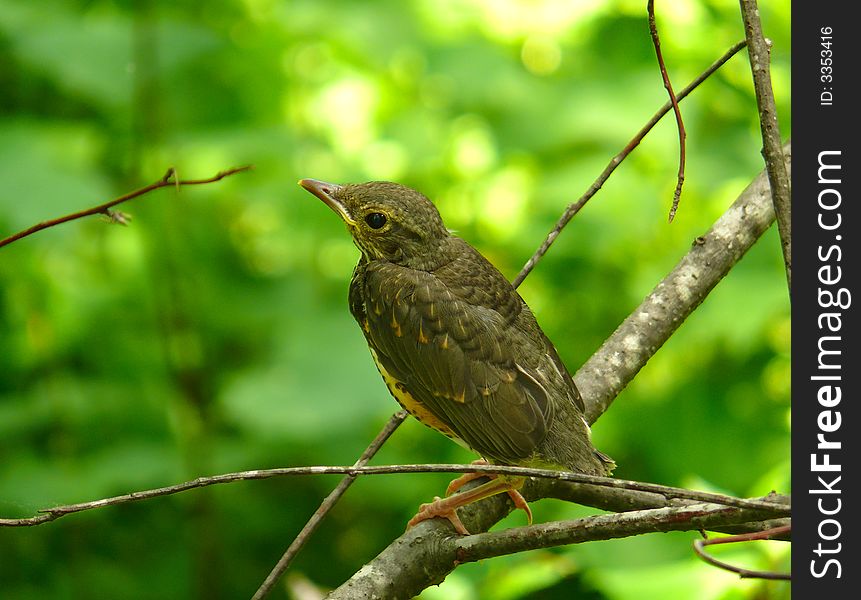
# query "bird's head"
(388, 221)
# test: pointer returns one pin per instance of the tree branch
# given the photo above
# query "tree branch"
(573, 208)
(426, 553)
(623, 500)
(699, 548)
(759, 50)
(51, 514)
(600, 527)
(710, 258)
(169, 179)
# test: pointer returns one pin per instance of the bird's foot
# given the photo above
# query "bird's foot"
(447, 507)
(440, 507)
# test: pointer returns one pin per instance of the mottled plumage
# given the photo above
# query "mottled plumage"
(455, 342)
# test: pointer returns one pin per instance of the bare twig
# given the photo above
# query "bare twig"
(105, 209)
(699, 548)
(781, 195)
(653, 30)
(327, 504)
(573, 208)
(51, 514)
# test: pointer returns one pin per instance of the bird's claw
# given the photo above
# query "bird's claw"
(438, 508)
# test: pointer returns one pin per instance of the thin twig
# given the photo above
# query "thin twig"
(51, 514)
(327, 504)
(573, 208)
(699, 548)
(781, 191)
(167, 180)
(653, 30)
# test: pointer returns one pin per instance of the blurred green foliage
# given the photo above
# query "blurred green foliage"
(213, 335)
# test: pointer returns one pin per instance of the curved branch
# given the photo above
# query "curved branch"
(680, 125)
(699, 548)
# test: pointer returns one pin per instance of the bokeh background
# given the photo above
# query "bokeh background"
(212, 334)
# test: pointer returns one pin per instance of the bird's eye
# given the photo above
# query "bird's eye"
(375, 220)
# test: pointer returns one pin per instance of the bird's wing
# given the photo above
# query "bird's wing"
(455, 358)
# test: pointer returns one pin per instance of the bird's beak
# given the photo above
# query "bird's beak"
(326, 192)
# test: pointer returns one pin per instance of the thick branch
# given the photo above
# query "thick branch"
(623, 500)
(600, 527)
(426, 554)
(652, 323)
(760, 59)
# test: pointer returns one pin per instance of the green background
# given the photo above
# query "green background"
(213, 335)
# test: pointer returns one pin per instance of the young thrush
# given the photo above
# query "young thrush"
(456, 344)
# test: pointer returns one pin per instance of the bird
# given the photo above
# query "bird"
(456, 344)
